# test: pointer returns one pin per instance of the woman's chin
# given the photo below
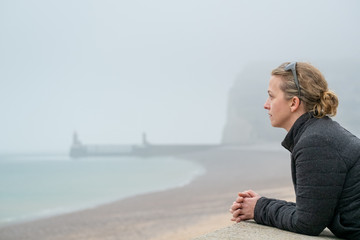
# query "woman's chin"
(274, 124)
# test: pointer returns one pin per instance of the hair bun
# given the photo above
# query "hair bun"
(327, 105)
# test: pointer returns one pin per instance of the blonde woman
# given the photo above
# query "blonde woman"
(325, 159)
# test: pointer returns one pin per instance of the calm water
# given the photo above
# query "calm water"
(33, 186)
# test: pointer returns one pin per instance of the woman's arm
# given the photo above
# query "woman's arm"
(320, 175)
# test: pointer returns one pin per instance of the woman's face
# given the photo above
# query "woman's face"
(277, 105)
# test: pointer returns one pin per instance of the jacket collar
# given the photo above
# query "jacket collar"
(295, 132)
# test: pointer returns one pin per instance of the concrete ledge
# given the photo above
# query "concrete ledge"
(252, 230)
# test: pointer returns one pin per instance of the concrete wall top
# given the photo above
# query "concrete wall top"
(251, 230)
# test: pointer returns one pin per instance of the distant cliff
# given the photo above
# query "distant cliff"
(247, 122)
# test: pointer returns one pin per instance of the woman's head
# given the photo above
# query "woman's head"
(314, 93)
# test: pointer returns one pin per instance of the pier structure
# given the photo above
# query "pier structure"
(78, 149)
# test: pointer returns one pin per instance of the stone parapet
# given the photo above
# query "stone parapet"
(249, 230)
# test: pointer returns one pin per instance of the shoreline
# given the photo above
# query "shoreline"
(49, 210)
(183, 212)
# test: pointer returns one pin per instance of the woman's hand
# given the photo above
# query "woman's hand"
(243, 208)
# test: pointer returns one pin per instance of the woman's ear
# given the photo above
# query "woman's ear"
(294, 104)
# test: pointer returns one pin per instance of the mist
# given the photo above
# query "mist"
(111, 70)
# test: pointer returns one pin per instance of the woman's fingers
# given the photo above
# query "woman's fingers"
(239, 199)
(252, 193)
(243, 207)
(236, 206)
(241, 218)
(237, 213)
(240, 215)
(244, 194)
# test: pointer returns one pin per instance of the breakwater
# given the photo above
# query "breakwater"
(78, 149)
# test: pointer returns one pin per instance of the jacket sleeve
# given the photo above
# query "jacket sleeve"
(319, 177)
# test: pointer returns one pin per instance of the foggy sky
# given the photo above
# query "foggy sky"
(111, 70)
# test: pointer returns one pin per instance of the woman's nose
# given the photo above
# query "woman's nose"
(267, 104)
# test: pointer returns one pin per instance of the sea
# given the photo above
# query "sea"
(35, 186)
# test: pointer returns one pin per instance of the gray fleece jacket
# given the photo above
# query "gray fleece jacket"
(325, 165)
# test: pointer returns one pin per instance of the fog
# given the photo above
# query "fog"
(111, 70)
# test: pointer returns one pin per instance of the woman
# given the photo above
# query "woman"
(325, 159)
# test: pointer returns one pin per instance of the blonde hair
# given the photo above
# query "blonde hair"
(314, 91)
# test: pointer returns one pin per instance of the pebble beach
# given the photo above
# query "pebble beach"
(181, 213)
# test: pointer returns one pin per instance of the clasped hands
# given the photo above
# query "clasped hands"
(243, 207)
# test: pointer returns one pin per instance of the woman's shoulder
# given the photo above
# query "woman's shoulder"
(327, 129)
(328, 134)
